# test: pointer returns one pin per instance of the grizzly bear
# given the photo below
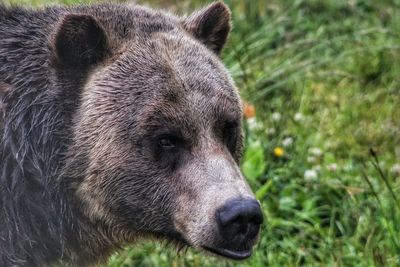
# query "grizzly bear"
(118, 122)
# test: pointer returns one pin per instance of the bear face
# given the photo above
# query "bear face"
(157, 136)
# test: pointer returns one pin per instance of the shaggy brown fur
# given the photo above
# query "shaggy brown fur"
(116, 122)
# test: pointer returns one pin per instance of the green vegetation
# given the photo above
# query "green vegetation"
(324, 79)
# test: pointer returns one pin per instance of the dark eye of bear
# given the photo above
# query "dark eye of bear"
(169, 151)
(167, 143)
(229, 134)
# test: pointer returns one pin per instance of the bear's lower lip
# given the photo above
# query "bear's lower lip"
(236, 255)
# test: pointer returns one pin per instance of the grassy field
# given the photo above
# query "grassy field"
(323, 149)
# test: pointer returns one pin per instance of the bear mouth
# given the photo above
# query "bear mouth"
(227, 253)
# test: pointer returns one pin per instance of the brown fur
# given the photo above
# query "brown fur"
(128, 120)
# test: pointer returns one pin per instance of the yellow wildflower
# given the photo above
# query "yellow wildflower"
(278, 152)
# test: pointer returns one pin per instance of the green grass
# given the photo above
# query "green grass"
(336, 63)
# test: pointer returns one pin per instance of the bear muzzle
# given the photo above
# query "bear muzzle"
(239, 222)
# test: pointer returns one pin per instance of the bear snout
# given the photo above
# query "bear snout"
(239, 223)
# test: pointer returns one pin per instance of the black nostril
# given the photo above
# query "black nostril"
(240, 218)
(240, 211)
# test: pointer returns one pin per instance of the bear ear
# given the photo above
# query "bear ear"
(80, 41)
(210, 25)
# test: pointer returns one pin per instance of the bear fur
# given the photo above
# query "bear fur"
(83, 91)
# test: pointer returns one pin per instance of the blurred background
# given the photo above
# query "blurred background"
(321, 84)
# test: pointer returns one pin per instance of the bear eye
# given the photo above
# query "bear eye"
(229, 133)
(230, 129)
(167, 142)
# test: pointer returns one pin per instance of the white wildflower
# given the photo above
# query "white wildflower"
(315, 151)
(332, 167)
(276, 116)
(311, 159)
(395, 169)
(310, 175)
(298, 116)
(287, 141)
(270, 131)
(254, 124)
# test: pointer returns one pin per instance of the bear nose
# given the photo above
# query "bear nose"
(239, 220)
